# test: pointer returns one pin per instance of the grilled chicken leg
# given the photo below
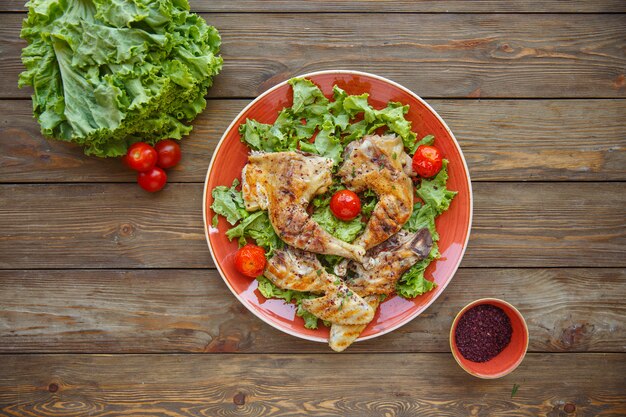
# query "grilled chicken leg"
(348, 306)
(342, 335)
(284, 183)
(377, 163)
(385, 263)
(293, 269)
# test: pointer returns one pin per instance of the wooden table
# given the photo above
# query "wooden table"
(109, 301)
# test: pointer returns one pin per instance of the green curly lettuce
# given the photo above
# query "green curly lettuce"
(413, 283)
(434, 191)
(228, 202)
(437, 199)
(334, 122)
(258, 227)
(269, 290)
(108, 73)
(343, 230)
(319, 125)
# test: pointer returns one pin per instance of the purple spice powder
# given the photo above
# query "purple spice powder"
(482, 332)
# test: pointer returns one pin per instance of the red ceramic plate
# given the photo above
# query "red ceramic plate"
(453, 226)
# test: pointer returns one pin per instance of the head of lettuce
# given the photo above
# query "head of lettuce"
(107, 73)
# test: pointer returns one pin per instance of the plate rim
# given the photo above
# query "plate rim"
(220, 143)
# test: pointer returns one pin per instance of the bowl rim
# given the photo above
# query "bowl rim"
(221, 142)
(494, 302)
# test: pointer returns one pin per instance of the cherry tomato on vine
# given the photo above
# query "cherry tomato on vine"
(141, 157)
(250, 260)
(427, 161)
(345, 205)
(152, 180)
(168, 153)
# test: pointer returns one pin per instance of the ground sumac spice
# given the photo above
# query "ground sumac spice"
(482, 332)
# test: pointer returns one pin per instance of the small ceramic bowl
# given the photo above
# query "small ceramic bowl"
(507, 360)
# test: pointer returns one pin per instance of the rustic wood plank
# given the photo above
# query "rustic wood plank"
(494, 55)
(122, 226)
(105, 311)
(548, 224)
(540, 140)
(390, 6)
(503, 140)
(285, 385)
(99, 225)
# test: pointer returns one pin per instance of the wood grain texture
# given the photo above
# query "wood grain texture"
(102, 225)
(122, 226)
(104, 311)
(391, 6)
(494, 55)
(503, 140)
(553, 247)
(288, 385)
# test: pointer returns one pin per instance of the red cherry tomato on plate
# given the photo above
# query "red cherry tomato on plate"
(345, 205)
(152, 180)
(141, 157)
(250, 260)
(168, 153)
(427, 161)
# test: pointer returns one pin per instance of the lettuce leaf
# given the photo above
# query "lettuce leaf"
(106, 74)
(307, 97)
(434, 191)
(333, 121)
(354, 105)
(344, 230)
(258, 227)
(393, 117)
(326, 144)
(269, 290)
(282, 135)
(228, 202)
(423, 216)
(437, 199)
(413, 283)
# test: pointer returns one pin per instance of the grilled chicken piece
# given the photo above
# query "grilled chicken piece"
(340, 305)
(284, 183)
(385, 263)
(294, 269)
(342, 335)
(378, 163)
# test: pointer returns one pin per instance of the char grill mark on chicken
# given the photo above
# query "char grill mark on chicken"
(284, 183)
(385, 263)
(293, 269)
(378, 163)
(343, 335)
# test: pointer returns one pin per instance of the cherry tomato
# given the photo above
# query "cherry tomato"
(152, 180)
(345, 205)
(427, 161)
(250, 260)
(168, 153)
(141, 157)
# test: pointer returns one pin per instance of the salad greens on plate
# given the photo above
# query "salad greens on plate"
(324, 126)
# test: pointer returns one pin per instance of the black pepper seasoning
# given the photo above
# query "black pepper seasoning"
(482, 332)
